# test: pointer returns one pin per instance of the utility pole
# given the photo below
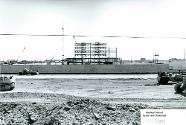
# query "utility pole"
(116, 53)
(184, 55)
(63, 45)
(155, 58)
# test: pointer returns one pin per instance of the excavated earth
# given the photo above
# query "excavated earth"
(58, 109)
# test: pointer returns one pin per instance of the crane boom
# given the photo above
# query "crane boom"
(21, 53)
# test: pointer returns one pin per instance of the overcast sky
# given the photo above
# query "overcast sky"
(155, 19)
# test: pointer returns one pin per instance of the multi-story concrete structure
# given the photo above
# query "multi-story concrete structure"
(88, 53)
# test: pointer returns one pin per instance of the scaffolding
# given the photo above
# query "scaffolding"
(98, 53)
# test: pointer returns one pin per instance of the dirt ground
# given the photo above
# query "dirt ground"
(134, 90)
(104, 101)
(36, 109)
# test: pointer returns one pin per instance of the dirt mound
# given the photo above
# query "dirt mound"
(72, 112)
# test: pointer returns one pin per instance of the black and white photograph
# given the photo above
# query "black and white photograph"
(92, 62)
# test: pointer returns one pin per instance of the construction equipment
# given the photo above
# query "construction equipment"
(168, 79)
(28, 72)
(6, 83)
(180, 87)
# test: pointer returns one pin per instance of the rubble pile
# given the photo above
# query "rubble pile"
(73, 111)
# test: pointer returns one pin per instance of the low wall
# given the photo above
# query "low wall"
(87, 69)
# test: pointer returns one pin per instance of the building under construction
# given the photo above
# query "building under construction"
(93, 53)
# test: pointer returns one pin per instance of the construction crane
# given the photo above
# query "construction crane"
(21, 53)
(13, 61)
(74, 39)
(50, 61)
